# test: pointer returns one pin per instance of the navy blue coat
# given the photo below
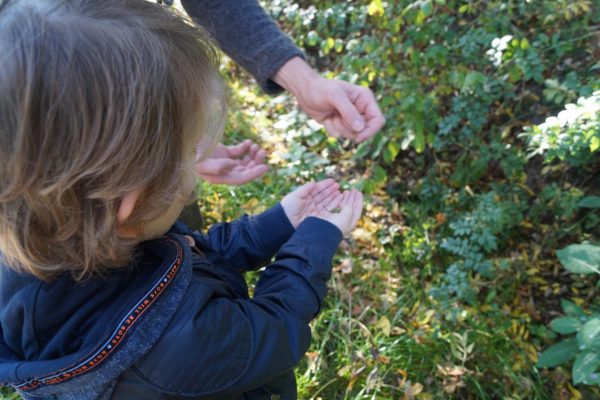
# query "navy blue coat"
(178, 322)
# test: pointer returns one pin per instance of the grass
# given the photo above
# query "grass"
(381, 335)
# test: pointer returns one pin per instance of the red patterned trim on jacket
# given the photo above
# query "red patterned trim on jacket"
(117, 337)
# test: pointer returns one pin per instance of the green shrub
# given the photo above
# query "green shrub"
(572, 136)
(583, 342)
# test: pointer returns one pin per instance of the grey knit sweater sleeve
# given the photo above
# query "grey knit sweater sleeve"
(247, 34)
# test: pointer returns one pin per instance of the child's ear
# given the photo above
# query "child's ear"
(124, 212)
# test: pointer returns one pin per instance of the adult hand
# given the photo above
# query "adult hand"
(345, 109)
(298, 204)
(233, 165)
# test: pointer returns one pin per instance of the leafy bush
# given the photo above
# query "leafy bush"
(584, 344)
(573, 135)
(474, 212)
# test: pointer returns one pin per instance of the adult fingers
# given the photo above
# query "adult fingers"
(328, 123)
(340, 99)
(338, 125)
(367, 105)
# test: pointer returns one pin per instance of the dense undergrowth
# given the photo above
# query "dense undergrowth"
(449, 284)
(482, 172)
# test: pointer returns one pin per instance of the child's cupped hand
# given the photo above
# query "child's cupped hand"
(324, 200)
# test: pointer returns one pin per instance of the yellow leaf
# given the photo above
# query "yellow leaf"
(375, 8)
(594, 144)
(397, 331)
(383, 359)
(404, 376)
(251, 204)
(413, 390)
(578, 300)
(576, 393)
(426, 318)
(385, 325)
(344, 371)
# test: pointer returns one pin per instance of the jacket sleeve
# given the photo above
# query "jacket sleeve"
(249, 242)
(225, 346)
(247, 34)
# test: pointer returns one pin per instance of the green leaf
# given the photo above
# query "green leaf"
(327, 45)
(594, 144)
(590, 202)
(379, 174)
(565, 325)
(572, 309)
(420, 18)
(313, 38)
(580, 258)
(558, 353)
(589, 335)
(585, 364)
(392, 150)
(419, 142)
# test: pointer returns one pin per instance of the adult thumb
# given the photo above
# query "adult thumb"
(350, 115)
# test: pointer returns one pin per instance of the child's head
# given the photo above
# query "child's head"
(102, 103)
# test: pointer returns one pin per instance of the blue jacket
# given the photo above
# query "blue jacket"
(178, 322)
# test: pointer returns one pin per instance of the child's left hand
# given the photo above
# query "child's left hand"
(297, 204)
(234, 165)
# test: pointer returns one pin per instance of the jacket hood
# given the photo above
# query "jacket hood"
(65, 336)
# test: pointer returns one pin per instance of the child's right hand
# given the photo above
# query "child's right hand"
(341, 209)
(324, 200)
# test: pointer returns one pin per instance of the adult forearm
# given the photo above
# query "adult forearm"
(294, 74)
(247, 34)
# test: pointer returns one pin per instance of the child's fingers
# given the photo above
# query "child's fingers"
(214, 166)
(260, 156)
(253, 150)
(357, 205)
(305, 190)
(332, 202)
(326, 200)
(347, 210)
(326, 182)
(239, 149)
(324, 185)
(324, 193)
(344, 202)
(236, 176)
(325, 197)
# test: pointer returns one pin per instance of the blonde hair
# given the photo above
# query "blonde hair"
(97, 99)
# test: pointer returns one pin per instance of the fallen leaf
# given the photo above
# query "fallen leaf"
(385, 325)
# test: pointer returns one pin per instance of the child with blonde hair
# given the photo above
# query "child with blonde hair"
(105, 107)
